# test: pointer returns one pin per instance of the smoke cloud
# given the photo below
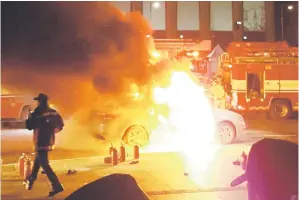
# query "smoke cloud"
(79, 53)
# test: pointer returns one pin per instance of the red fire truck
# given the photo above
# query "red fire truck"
(15, 108)
(262, 76)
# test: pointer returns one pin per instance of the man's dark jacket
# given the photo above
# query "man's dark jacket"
(45, 122)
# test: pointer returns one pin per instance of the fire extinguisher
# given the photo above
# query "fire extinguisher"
(114, 157)
(22, 164)
(110, 150)
(122, 152)
(27, 168)
(33, 157)
(136, 152)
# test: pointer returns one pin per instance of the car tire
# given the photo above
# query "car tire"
(284, 107)
(136, 135)
(226, 132)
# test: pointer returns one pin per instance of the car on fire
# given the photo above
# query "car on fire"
(136, 126)
(133, 127)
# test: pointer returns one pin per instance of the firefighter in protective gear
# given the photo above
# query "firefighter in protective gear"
(218, 92)
(45, 123)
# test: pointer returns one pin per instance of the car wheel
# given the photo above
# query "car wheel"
(136, 135)
(280, 109)
(226, 132)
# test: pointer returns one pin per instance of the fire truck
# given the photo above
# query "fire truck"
(262, 76)
(15, 109)
(195, 51)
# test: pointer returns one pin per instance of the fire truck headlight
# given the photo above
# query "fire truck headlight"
(262, 100)
(230, 66)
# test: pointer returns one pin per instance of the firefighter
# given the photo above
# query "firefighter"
(45, 123)
(217, 91)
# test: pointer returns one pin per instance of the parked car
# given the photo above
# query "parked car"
(230, 125)
(132, 127)
(135, 126)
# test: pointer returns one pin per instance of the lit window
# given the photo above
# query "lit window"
(221, 15)
(254, 15)
(188, 15)
(154, 12)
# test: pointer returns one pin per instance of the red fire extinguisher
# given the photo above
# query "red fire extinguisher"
(22, 164)
(136, 152)
(110, 150)
(33, 157)
(27, 168)
(114, 157)
(122, 152)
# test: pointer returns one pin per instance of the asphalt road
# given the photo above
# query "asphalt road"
(17, 141)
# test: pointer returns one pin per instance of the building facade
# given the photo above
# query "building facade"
(218, 21)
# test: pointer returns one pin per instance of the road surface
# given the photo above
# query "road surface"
(160, 175)
(15, 142)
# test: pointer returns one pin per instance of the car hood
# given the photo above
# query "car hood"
(222, 114)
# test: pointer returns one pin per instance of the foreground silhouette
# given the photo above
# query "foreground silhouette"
(271, 170)
(112, 187)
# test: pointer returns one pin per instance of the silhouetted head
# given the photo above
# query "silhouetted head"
(42, 99)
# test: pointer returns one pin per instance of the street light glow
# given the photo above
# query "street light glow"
(290, 7)
(156, 5)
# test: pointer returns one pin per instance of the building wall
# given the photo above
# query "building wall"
(215, 20)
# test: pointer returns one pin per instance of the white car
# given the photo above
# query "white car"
(230, 125)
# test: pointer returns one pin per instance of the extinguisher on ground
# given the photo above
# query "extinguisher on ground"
(27, 167)
(122, 152)
(22, 164)
(136, 152)
(110, 150)
(114, 157)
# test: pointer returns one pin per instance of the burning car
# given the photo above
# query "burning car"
(135, 124)
(131, 126)
(229, 126)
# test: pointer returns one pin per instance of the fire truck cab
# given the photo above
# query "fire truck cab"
(262, 76)
(15, 108)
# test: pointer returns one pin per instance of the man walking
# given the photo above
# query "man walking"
(45, 123)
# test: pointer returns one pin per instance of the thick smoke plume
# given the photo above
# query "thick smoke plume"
(79, 53)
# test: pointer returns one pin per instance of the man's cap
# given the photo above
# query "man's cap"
(41, 97)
